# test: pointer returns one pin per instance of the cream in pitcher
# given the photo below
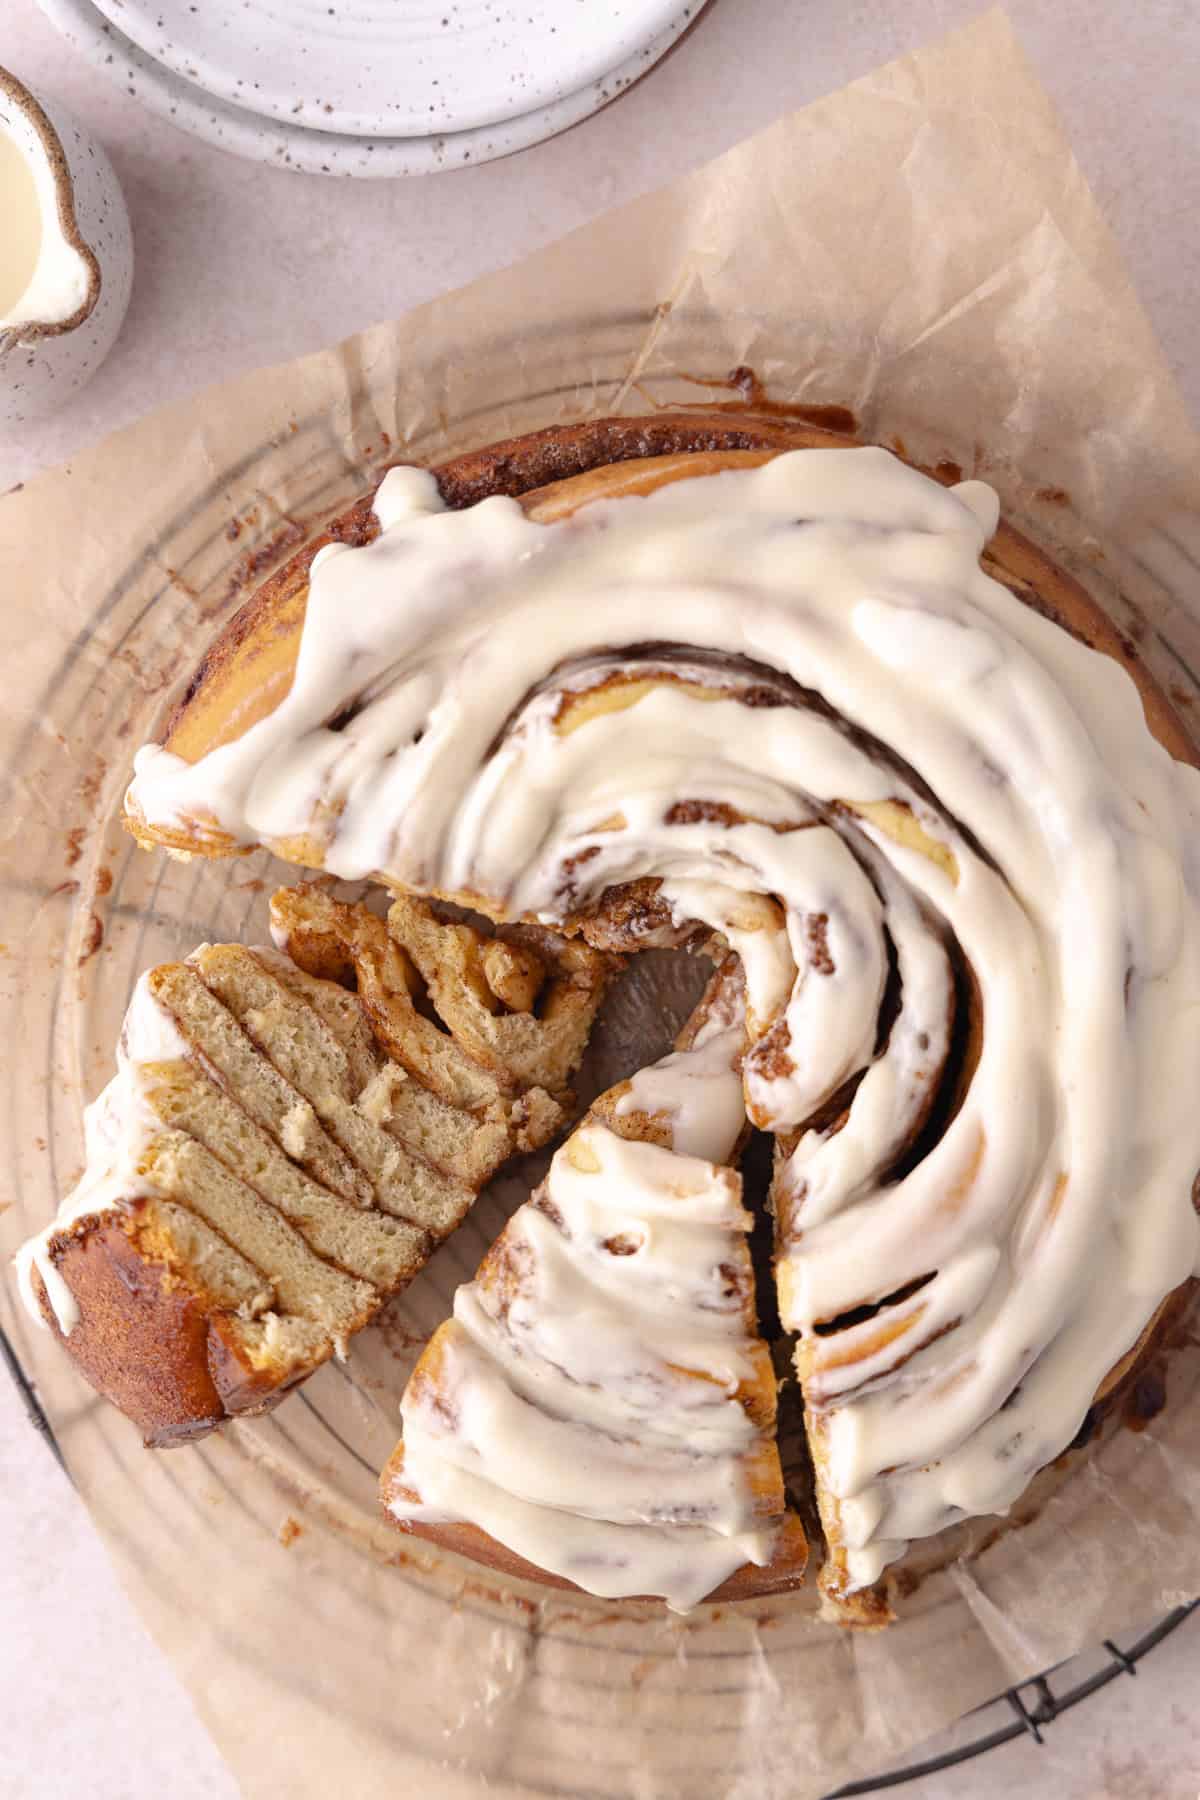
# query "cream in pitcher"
(21, 237)
(65, 255)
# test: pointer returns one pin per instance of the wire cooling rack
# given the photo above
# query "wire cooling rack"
(1032, 1706)
(1027, 1709)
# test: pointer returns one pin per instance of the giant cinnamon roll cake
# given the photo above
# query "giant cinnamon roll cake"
(720, 679)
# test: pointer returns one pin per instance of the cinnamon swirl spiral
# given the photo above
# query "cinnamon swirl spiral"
(752, 683)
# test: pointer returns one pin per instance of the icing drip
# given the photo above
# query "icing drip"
(944, 797)
(697, 1093)
(582, 1406)
(118, 1127)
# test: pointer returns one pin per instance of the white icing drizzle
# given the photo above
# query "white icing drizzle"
(118, 1126)
(697, 1093)
(1053, 1213)
(583, 1408)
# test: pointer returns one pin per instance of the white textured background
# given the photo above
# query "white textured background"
(238, 265)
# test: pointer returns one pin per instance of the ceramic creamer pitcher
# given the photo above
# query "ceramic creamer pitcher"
(66, 256)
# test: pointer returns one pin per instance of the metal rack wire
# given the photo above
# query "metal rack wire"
(29, 1399)
(1034, 1704)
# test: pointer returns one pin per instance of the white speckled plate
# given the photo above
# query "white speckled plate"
(293, 145)
(392, 68)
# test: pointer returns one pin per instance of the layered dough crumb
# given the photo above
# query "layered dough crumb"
(289, 1136)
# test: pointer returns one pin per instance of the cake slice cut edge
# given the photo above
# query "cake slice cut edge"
(632, 1456)
(263, 1174)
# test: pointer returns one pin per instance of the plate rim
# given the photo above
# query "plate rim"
(257, 138)
(135, 22)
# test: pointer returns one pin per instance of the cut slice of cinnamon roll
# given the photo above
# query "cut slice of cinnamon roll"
(288, 1139)
(600, 1409)
(713, 676)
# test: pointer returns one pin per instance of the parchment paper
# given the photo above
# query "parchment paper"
(920, 248)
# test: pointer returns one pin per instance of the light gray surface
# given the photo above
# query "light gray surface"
(237, 266)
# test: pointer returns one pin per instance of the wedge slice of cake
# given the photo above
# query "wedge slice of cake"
(600, 1410)
(289, 1135)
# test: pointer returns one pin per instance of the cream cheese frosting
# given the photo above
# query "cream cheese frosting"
(841, 744)
(118, 1126)
(583, 1407)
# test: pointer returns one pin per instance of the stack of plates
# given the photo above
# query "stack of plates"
(373, 87)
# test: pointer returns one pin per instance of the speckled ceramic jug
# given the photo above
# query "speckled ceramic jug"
(66, 255)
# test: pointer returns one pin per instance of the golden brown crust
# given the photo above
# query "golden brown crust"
(151, 1338)
(784, 1572)
(242, 1387)
(142, 1339)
